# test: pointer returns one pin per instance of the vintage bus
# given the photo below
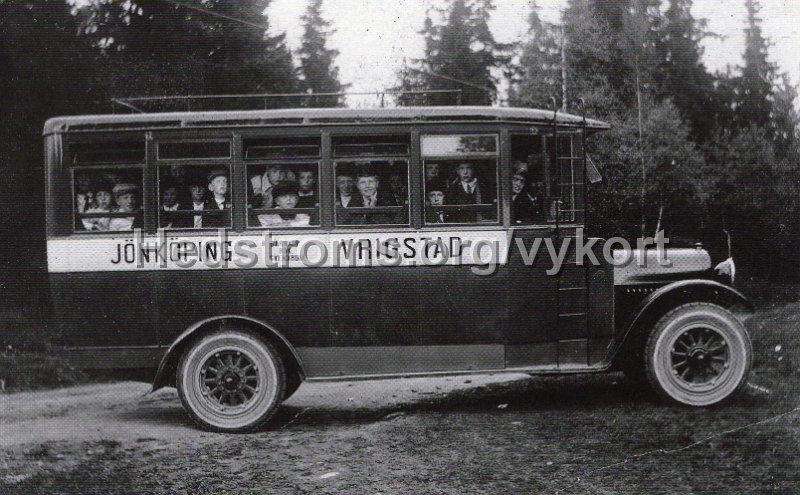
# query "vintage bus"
(237, 254)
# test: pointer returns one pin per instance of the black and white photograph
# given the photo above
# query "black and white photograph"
(399, 247)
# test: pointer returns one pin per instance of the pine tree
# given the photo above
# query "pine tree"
(460, 54)
(755, 89)
(317, 62)
(153, 47)
(681, 75)
(539, 71)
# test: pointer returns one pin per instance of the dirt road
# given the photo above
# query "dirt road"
(477, 434)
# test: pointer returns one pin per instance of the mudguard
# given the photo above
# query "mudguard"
(674, 294)
(169, 362)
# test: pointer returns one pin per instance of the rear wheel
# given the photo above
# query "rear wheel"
(231, 381)
(698, 354)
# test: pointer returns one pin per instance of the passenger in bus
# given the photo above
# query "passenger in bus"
(170, 204)
(397, 186)
(433, 212)
(345, 185)
(84, 196)
(306, 187)
(178, 177)
(468, 189)
(262, 185)
(525, 207)
(126, 196)
(372, 196)
(432, 172)
(286, 196)
(198, 193)
(217, 200)
(103, 203)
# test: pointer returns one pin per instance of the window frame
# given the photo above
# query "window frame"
(287, 162)
(388, 209)
(499, 156)
(73, 194)
(159, 166)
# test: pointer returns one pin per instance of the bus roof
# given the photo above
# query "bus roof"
(312, 116)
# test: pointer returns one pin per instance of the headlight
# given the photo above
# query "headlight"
(726, 269)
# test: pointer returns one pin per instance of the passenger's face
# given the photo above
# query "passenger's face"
(169, 197)
(517, 184)
(396, 183)
(436, 198)
(219, 185)
(431, 171)
(345, 185)
(177, 172)
(367, 185)
(83, 183)
(275, 175)
(198, 194)
(306, 180)
(286, 201)
(103, 199)
(126, 202)
(465, 172)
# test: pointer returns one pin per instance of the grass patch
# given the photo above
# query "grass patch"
(27, 356)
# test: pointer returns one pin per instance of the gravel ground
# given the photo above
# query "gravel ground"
(503, 433)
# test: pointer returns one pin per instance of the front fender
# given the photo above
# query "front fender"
(673, 295)
(169, 361)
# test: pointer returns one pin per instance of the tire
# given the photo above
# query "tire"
(231, 381)
(698, 354)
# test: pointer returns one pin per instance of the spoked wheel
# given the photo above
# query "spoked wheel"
(231, 381)
(698, 354)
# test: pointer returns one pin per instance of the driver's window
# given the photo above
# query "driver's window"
(528, 183)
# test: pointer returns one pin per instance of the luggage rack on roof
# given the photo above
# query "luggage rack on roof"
(267, 101)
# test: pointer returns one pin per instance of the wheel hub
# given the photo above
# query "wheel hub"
(229, 379)
(699, 356)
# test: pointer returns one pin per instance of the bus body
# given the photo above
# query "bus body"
(239, 253)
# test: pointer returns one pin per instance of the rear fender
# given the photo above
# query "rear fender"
(169, 362)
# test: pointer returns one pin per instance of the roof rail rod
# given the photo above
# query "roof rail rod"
(128, 101)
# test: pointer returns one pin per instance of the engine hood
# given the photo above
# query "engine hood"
(643, 267)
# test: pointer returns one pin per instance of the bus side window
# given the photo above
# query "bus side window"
(194, 196)
(371, 192)
(114, 191)
(283, 186)
(460, 178)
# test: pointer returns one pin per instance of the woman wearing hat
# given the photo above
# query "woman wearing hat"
(126, 195)
(286, 195)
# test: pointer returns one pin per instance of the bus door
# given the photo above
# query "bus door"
(584, 304)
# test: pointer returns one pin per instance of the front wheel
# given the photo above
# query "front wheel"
(231, 381)
(698, 354)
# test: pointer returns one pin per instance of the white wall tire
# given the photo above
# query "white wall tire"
(231, 381)
(698, 354)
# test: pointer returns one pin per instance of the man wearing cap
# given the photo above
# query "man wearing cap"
(126, 195)
(217, 200)
(525, 208)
